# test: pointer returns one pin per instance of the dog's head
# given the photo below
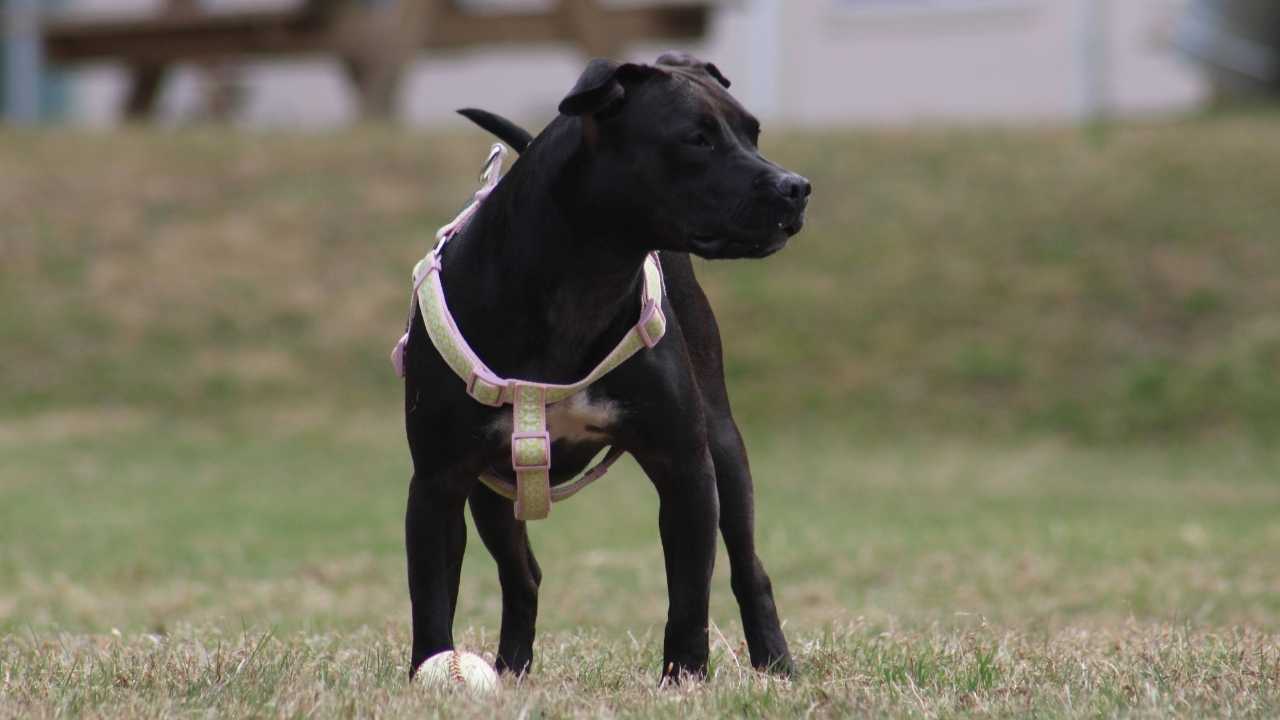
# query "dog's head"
(673, 155)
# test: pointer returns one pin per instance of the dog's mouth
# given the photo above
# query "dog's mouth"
(793, 226)
(768, 248)
(703, 243)
(757, 243)
(716, 247)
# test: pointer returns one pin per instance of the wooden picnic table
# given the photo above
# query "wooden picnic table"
(375, 40)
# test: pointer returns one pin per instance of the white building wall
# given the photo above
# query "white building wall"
(1148, 75)
(1013, 61)
(887, 61)
(802, 62)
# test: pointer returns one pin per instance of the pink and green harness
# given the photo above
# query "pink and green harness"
(530, 441)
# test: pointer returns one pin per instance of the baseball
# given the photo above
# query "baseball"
(458, 670)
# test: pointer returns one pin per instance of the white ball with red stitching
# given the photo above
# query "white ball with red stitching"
(458, 670)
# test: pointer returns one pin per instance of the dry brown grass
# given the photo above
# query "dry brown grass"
(1132, 671)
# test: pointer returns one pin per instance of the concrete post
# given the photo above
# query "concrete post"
(1094, 59)
(23, 64)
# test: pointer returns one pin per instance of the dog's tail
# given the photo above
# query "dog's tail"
(507, 131)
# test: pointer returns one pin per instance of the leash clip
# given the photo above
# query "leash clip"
(493, 164)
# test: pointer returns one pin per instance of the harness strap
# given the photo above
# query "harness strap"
(530, 441)
(531, 451)
(559, 492)
(487, 387)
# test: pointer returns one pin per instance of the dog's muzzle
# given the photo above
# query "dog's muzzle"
(794, 190)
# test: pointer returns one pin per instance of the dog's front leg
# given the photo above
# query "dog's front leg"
(435, 537)
(687, 517)
(750, 583)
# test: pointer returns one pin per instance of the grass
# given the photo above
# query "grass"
(1010, 402)
(150, 572)
(147, 529)
(1137, 672)
(980, 281)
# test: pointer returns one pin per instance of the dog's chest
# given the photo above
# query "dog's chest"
(577, 419)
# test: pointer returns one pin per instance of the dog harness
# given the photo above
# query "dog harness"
(530, 441)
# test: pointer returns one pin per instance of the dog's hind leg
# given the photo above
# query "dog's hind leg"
(435, 538)
(518, 571)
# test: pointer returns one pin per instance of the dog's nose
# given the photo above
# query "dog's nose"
(794, 187)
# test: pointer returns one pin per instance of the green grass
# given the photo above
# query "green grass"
(1010, 401)
(147, 528)
(987, 282)
(142, 567)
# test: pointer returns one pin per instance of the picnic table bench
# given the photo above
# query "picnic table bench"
(375, 39)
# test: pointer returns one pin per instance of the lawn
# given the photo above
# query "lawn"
(154, 571)
(1021, 462)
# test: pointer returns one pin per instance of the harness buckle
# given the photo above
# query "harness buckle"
(646, 316)
(526, 455)
(485, 388)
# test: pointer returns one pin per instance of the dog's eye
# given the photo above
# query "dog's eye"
(698, 139)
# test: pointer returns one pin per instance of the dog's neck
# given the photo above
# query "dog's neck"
(540, 293)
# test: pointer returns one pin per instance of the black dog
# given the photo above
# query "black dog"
(545, 280)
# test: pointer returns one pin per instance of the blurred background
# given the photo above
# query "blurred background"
(1023, 363)
(324, 63)
(1038, 215)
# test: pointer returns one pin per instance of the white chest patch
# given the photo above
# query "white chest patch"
(575, 419)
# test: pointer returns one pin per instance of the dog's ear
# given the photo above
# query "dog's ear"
(602, 86)
(684, 59)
